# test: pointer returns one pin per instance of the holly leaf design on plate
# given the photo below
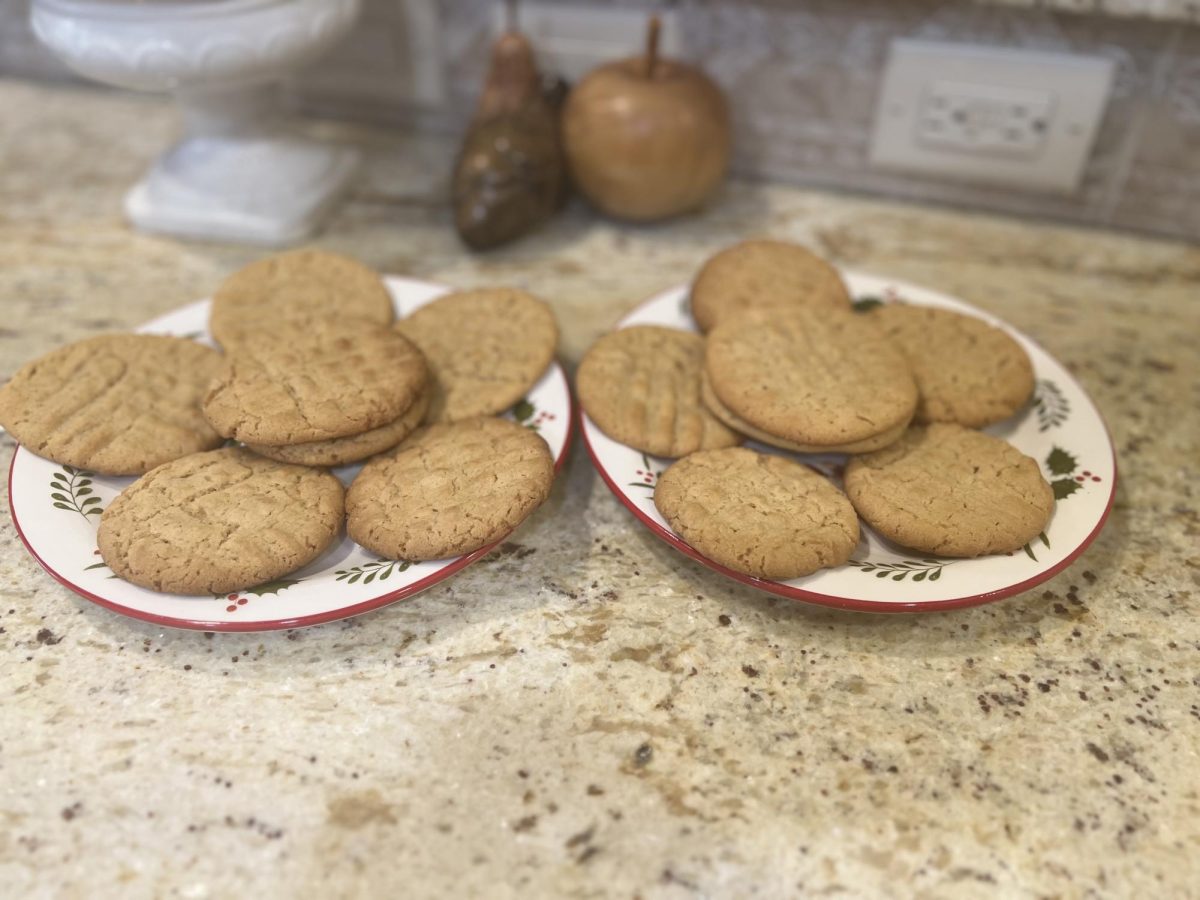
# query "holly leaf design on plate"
(866, 304)
(523, 410)
(1064, 487)
(1060, 462)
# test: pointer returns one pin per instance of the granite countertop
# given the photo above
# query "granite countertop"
(586, 712)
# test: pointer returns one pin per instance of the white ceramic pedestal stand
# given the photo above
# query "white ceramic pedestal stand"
(239, 173)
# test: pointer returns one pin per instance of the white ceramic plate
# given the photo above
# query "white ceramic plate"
(56, 510)
(1061, 429)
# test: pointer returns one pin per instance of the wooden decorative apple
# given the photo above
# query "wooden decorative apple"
(646, 138)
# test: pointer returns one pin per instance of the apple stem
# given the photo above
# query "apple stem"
(652, 45)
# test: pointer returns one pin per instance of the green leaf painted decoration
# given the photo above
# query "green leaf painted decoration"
(866, 304)
(1060, 462)
(373, 571)
(1064, 487)
(70, 489)
(523, 410)
(1028, 548)
(920, 570)
(1051, 405)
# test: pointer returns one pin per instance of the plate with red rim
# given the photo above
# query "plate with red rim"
(1061, 428)
(56, 509)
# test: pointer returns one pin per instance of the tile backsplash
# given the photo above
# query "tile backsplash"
(803, 80)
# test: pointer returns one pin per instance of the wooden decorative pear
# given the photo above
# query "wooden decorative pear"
(510, 175)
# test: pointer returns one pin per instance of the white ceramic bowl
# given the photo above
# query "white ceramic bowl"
(163, 46)
(238, 174)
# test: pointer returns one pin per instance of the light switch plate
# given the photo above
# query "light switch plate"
(571, 40)
(990, 115)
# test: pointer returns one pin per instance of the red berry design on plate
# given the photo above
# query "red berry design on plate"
(235, 601)
(645, 477)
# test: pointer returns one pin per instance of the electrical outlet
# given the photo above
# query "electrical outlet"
(990, 115)
(572, 40)
(980, 118)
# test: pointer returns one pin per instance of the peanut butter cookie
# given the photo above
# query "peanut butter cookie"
(759, 514)
(966, 371)
(739, 424)
(219, 521)
(486, 349)
(306, 285)
(948, 490)
(118, 404)
(352, 449)
(641, 386)
(821, 379)
(315, 384)
(764, 275)
(449, 489)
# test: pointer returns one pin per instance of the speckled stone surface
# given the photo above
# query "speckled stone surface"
(587, 713)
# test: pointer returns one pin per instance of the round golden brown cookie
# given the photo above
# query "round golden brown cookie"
(764, 275)
(352, 449)
(118, 404)
(641, 386)
(966, 371)
(948, 490)
(718, 409)
(820, 379)
(220, 521)
(756, 513)
(449, 489)
(298, 286)
(486, 348)
(314, 384)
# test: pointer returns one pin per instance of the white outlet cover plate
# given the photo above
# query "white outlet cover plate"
(572, 40)
(1074, 89)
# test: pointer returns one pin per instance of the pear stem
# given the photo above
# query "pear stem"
(652, 45)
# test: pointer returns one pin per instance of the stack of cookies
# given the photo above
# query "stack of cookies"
(316, 373)
(787, 361)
